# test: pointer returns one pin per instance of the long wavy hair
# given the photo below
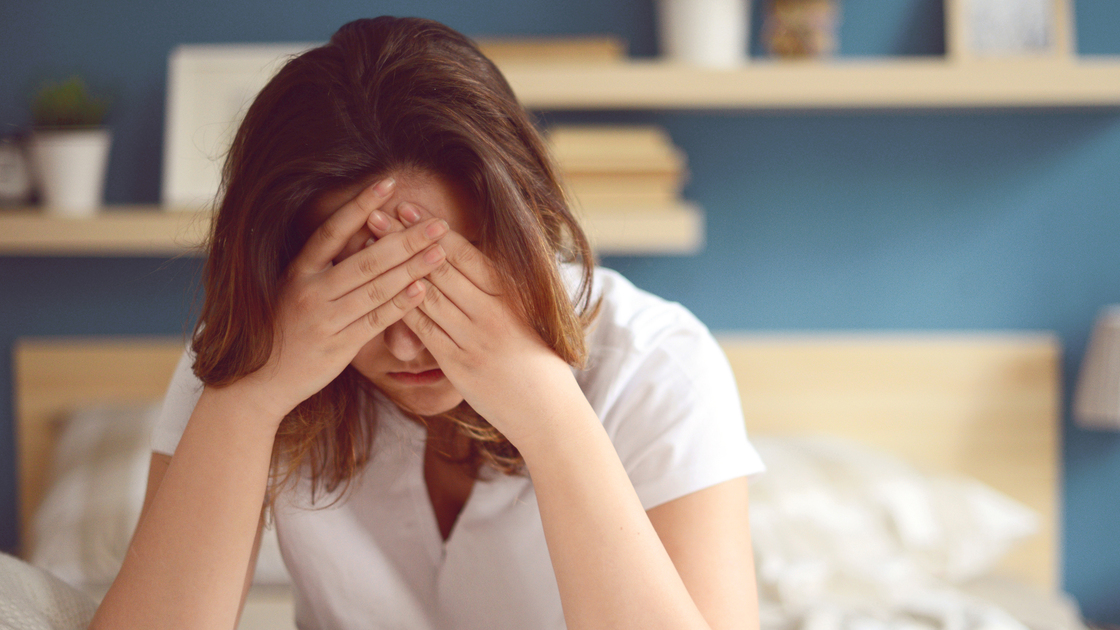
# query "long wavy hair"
(382, 95)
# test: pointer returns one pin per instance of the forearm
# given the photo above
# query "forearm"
(611, 568)
(187, 562)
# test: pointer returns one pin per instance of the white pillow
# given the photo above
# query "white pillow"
(835, 521)
(32, 599)
(98, 480)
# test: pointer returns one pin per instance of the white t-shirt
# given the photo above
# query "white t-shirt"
(665, 394)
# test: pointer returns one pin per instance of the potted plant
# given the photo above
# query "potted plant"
(69, 147)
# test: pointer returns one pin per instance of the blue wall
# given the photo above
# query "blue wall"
(972, 220)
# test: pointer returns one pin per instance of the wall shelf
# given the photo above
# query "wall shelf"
(919, 83)
(115, 231)
(149, 231)
(932, 83)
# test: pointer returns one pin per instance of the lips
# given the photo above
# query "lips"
(425, 377)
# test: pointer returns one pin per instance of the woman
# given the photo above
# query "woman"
(408, 358)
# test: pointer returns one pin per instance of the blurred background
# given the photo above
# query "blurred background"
(952, 220)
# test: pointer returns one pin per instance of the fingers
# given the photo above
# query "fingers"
(382, 223)
(364, 300)
(447, 314)
(379, 224)
(375, 322)
(452, 285)
(430, 334)
(332, 236)
(461, 253)
(383, 255)
(472, 263)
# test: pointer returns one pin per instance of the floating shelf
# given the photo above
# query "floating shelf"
(931, 83)
(921, 83)
(150, 231)
(115, 231)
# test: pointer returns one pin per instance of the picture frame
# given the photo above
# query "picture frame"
(994, 30)
(209, 87)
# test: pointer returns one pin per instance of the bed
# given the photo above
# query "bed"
(898, 424)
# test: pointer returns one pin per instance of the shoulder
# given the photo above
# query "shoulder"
(640, 336)
(647, 316)
(665, 394)
(654, 369)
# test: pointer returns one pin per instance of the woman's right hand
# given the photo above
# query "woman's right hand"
(331, 305)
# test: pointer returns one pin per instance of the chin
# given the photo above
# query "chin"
(428, 409)
(425, 404)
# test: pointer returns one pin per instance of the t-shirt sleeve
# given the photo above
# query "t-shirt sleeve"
(178, 404)
(675, 418)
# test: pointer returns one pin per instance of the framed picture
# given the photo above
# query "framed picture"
(209, 87)
(978, 30)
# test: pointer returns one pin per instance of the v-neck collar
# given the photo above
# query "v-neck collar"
(413, 476)
(426, 512)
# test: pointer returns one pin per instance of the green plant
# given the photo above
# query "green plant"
(67, 104)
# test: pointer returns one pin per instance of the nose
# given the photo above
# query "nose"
(402, 343)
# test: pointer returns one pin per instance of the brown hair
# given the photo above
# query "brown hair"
(384, 94)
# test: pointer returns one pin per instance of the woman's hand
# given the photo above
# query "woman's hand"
(494, 359)
(589, 509)
(331, 304)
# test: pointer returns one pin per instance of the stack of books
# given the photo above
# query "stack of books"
(571, 50)
(613, 168)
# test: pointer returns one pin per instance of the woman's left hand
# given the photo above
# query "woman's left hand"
(588, 507)
(499, 364)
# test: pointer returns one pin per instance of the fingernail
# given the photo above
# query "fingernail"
(408, 213)
(434, 255)
(379, 220)
(384, 187)
(369, 241)
(437, 229)
(413, 289)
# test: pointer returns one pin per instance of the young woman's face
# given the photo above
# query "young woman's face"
(396, 361)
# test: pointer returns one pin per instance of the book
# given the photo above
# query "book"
(589, 49)
(613, 167)
(579, 148)
(628, 189)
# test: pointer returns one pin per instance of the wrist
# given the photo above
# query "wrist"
(565, 420)
(247, 402)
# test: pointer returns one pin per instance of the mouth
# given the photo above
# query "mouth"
(426, 377)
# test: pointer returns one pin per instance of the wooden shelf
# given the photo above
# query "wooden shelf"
(843, 84)
(918, 83)
(116, 231)
(149, 231)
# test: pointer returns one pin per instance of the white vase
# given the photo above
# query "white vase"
(70, 169)
(709, 33)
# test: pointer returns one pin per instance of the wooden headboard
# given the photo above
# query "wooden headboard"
(984, 405)
(55, 376)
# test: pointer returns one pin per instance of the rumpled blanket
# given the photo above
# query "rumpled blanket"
(850, 538)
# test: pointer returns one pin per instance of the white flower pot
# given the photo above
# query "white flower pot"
(710, 33)
(70, 169)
